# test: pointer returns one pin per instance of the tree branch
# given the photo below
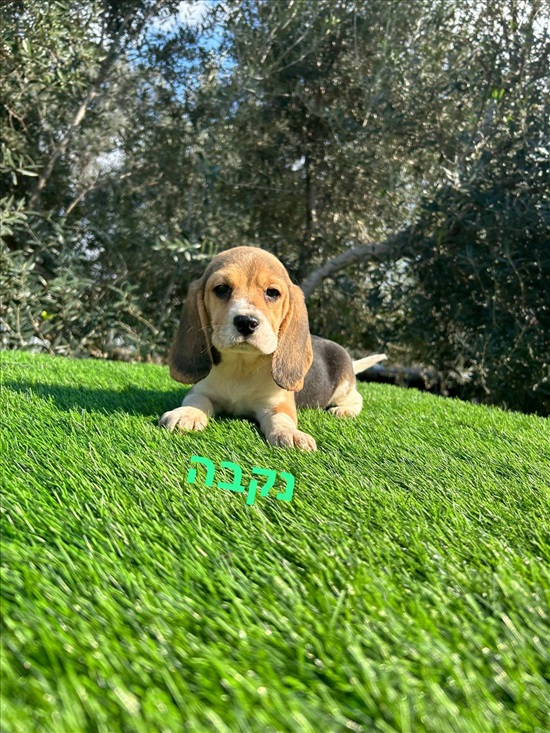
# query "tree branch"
(63, 144)
(371, 251)
(108, 62)
(98, 184)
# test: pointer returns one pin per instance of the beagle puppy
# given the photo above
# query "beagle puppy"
(243, 341)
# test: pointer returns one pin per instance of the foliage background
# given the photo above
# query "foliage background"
(410, 140)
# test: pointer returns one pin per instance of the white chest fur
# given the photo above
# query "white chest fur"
(240, 384)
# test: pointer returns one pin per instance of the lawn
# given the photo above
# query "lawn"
(405, 587)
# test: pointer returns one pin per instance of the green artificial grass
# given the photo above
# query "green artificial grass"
(404, 588)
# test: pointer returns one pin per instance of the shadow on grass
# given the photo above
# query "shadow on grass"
(132, 400)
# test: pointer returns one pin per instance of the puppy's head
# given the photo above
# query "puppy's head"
(244, 303)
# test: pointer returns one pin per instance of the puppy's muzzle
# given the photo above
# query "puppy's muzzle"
(246, 325)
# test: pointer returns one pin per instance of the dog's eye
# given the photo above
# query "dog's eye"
(272, 293)
(222, 291)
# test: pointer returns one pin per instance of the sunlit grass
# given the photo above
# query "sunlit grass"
(404, 588)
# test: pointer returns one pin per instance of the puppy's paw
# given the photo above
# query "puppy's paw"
(343, 411)
(184, 419)
(293, 439)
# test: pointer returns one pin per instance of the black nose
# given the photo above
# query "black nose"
(246, 324)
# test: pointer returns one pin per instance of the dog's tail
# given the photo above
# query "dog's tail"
(359, 365)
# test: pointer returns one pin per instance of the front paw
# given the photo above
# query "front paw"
(184, 419)
(292, 439)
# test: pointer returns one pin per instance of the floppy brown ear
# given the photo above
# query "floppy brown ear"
(190, 356)
(293, 355)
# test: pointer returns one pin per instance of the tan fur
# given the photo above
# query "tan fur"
(190, 356)
(286, 408)
(294, 353)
